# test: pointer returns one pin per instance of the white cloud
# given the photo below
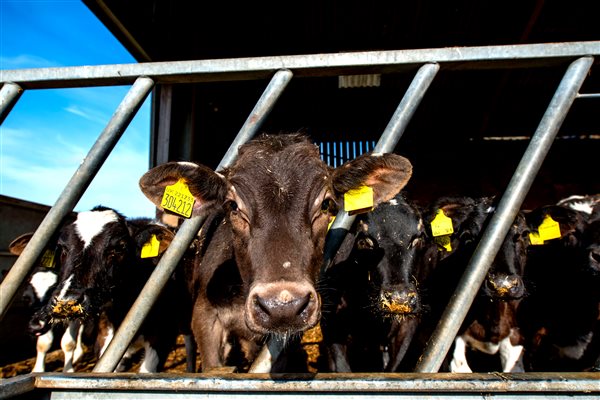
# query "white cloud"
(26, 61)
(88, 114)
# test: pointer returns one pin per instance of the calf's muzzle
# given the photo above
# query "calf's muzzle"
(282, 307)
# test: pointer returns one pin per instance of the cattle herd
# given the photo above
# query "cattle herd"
(253, 272)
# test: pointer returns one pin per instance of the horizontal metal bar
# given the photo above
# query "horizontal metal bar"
(74, 189)
(508, 207)
(588, 96)
(585, 383)
(333, 64)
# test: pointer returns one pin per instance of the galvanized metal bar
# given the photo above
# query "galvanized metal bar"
(386, 144)
(356, 385)
(9, 94)
(500, 223)
(261, 111)
(588, 95)
(75, 188)
(188, 230)
(334, 64)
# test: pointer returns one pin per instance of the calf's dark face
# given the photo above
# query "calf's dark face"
(278, 199)
(388, 242)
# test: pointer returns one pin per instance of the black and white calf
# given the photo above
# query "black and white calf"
(490, 326)
(371, 293)
(101, 276)
(41, 284)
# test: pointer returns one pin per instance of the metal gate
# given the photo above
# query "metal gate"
(577, 58)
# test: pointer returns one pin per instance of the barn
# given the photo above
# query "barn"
(483, 98)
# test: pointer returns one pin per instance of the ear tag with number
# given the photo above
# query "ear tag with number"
(444, 242)
(535, 239)
(47, 260)
(358, 200)
(178, 199)
(150, 248)
(441, 224)
(549, 229)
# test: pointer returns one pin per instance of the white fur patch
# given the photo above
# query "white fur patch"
(393, 202)
(65, 287)
(41, 282)
(90, 223)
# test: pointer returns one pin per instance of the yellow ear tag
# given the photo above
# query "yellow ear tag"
(330, 222)
(441, 224)
(549, 229)
(358, 200)
(47, 259)
(178, 199)
(444, 241)
(535, 239)
(150, 248)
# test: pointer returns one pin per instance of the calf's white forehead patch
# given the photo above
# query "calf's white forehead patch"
(90, 223)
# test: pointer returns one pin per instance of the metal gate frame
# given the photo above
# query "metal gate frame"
(577, 56)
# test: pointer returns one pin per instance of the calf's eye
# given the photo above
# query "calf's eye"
(231, 206)
(328, 206)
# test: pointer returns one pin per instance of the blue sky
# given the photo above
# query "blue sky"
(49, 132)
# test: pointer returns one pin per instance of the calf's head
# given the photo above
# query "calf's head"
(278, 198)
(387, 245)
(505, 276)
(95, 252)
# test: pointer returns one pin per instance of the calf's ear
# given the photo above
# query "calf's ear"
(386, 174)
(17, 246)
(163, 235)
(206, 186)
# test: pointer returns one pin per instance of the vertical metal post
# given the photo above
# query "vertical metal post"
(9, 94)
(188, 230)
(509, 206)
(340, 227)
(75, 188)
(387, 143)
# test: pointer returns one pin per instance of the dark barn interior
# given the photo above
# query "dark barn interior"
(466, 137)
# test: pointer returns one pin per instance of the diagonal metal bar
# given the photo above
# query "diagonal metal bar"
(188, 230)
(75, 188)
(387, 143)
(9, 94)
(509, 206)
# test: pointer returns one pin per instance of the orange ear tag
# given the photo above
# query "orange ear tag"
(150, 248)
(178, 199)
(358, 200)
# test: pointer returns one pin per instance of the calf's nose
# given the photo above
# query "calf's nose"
(69, 308)
(399, 301)
(282, 307)
(505, 286)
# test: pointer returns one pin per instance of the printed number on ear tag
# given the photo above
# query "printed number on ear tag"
(549, 229)
(441, 224)
(178, 199)
(47, 260)
(358, 200)
(150, 248)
